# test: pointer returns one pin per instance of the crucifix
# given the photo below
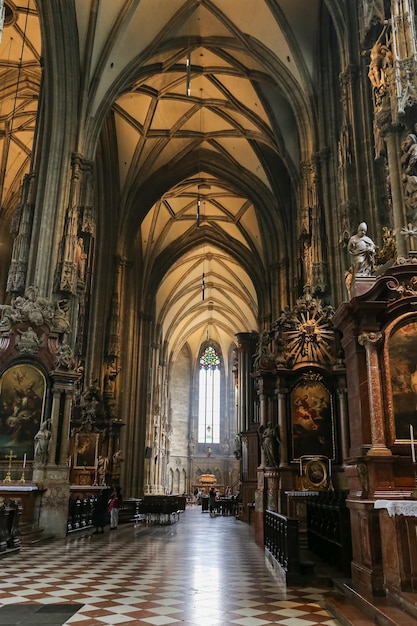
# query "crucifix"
(9, 457)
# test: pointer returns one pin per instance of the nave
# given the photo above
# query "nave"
(199, 571)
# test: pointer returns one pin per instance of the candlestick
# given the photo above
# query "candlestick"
(413, 451)
(330, 467)
(24, 460)
(301, 467)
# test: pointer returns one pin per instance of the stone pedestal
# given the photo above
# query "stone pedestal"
(361, 285)
(52, 503)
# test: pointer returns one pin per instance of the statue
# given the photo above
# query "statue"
(237, 453)
(410, 198)
(42, 443)
(28, 342)
(270, 442)
(117, 461)
(80, 259)
(381, 62)
(60, 319)
(264, 359)
(102, 464)
(409, 156)
(110, 376)
(65, 357)
(361, 249)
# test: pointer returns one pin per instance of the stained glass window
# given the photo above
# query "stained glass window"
(209, 397)
(209, 358)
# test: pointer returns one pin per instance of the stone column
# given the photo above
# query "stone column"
(247, 346)
(370, 341)
(344, 421)
(392, 141)
(282, 423)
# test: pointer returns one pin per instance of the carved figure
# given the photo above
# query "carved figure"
(361, 249)
(91, 403)
(389, 248)
(65, 356)
(409, 155)
(42, 443)
(28, 342)
(35, 309)
(410, 198)
(60, 319)
(264, 357)
(110, 377)
(381, 61)
(270, 442)
(117, 461)
(80, 258)
(30, 308)
(102, 464)
(237, 453)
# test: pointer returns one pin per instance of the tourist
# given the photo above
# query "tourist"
(113, 506)
(99, 516)
(212, 502)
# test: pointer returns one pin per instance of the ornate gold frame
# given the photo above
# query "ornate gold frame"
(316, 474)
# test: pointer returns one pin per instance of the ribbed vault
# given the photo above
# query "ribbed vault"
(212, 105)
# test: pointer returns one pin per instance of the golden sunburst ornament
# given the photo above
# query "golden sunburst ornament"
(310, 340)
(305, 334)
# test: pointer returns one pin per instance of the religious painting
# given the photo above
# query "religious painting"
(402, 360)
(22, 405)
(316, 474)
(86, 450)
(312, 423)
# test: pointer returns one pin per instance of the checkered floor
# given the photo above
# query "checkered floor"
(199, 571)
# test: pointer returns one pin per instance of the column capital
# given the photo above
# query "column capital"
(370, 340)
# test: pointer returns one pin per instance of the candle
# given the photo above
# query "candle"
(24, 460)
(301, 467)
(413, 452)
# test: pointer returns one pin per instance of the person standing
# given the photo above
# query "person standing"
(212, 501)
(114, 504)
(99, 516)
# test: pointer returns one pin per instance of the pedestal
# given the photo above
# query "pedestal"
(361, 285)
(53, 502)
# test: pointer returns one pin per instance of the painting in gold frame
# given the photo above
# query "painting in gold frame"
(22, 406)
(86, 450)
(316, 474)
(312, 422)
(401, 378)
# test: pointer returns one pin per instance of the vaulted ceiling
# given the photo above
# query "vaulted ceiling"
(213, 108)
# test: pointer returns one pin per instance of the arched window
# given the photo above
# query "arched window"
(209, 397)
